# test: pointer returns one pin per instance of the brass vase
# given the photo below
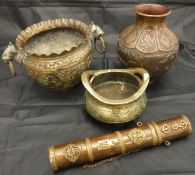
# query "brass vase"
(148, 43)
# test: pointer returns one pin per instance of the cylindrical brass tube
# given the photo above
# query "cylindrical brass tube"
(118, 142)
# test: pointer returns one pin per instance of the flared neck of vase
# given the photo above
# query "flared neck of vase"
(153, 13)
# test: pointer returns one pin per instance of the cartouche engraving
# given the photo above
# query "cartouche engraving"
(105, 144)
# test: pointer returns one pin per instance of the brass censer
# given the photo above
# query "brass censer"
(115, 95)
(55, 52)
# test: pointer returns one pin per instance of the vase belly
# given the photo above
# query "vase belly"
(155, 63)
(149, 44)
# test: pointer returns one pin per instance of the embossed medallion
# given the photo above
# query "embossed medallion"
(166, 128)
(50, 80)
(183, 124)
(72, 152)
(137, 136)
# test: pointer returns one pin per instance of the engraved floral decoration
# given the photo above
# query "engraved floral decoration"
(50, 80)
(183, 124)
(147, 41)
(137, 136)
(72, 152)
(167, 128)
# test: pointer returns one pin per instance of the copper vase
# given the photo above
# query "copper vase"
(148, 43)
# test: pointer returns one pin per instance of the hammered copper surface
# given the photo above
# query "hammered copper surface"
(148, 43)
(119, 142)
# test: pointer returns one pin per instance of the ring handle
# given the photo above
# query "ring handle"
(88, 76)
(98, 38)
(100, 47)
(8, 56)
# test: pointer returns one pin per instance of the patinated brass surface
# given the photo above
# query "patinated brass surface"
(148, 43)
(115, 95)
(54, 41)
(55, 52)
(114, 145)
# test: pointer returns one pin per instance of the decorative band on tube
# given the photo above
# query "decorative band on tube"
(158, 132)
(154, 134)
(89, 149)
(121, 141)
(189, 124)
(52, 158)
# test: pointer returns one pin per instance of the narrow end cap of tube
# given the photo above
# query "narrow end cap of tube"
(52, 158)
(189, 123)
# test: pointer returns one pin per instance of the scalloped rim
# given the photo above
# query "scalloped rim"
(35, 29)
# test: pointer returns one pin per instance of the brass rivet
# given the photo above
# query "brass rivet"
(167, 143)
(139, 123)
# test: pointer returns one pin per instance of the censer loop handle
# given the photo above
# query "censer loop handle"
(143, 75)
(8, 56)
(87, 78)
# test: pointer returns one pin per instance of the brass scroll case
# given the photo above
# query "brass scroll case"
(118, 143)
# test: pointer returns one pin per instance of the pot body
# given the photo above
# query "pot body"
(62, 71)
(148, 43)
(114, 114)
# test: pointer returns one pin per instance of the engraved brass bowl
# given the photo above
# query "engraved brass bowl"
(115, 95)
(55, 52)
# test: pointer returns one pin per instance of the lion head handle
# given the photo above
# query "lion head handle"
(96, 30)
(8, 55)
(98, 36)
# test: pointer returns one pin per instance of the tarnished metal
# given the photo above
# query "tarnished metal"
(98, 150)
(55, 52)
(115, 95)
(148, 43)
